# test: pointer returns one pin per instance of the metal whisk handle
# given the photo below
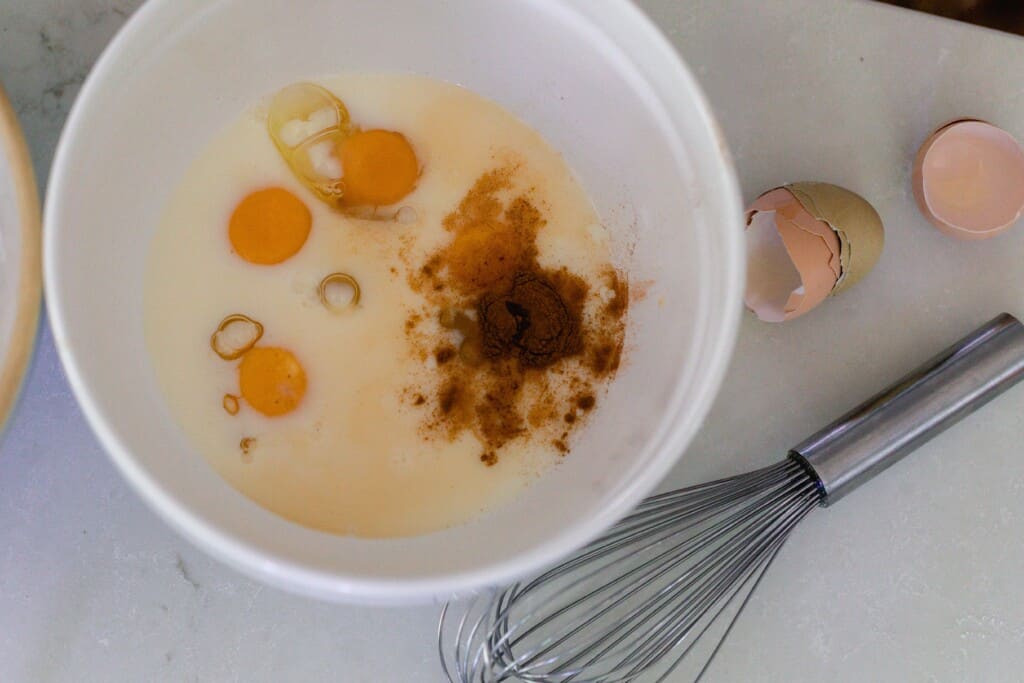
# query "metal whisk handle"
(891, 424)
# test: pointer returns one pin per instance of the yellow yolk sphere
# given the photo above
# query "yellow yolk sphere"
(271, 380)
(379, 167)
(269, 226)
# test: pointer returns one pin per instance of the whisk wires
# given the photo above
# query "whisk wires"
(666, 581)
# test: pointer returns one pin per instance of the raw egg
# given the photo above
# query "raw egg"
(342, 165)
(968, 179)
(306, 123)
(271, 380)
(378, 167)
(269, 226)
(805, 242)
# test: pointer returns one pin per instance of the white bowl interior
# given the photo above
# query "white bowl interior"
(595, 78)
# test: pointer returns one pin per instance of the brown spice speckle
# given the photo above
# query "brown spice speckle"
(449, 395)
(604, 359)
(542, 411)
(529, 339)
(246, 445)
(586, 401)
(532, 320)
(616, 307)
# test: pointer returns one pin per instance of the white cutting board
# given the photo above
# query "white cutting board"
(919, 576)
(916, 577)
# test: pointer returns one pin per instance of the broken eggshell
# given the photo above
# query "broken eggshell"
(968, 179)
(805, 242)
(794, 258)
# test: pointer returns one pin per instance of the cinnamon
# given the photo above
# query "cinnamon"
(530, 356)
(530, 321)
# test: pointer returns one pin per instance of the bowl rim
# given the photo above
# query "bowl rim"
(16, 356)
(300, 578)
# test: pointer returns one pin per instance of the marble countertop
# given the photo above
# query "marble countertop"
(915, 578)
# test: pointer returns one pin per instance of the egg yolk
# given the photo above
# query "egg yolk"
(269, 226)
(379, 167)
(271, 380)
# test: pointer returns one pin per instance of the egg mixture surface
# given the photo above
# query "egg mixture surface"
(381, 305)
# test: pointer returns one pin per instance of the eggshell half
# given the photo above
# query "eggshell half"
(855, 222)
(793, 258)
(968, 179)
(782, 200)
(802, 218)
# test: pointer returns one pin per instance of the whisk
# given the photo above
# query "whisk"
(658, 594)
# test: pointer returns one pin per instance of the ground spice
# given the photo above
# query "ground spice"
(544, 406)
(529, 321)
(444, 354)
(499, 419)
(490, 242)
(412, 321)
(519, 327)
(246, 445)
(604, 358)
(448, 398)
(619, 301)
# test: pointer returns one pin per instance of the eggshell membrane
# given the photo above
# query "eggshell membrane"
(782, 201)
(968, 179)
(855, 222)
(802, 219)
(792, 255)
(811, 257)
(773, 281)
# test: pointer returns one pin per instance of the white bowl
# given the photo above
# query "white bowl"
(596, 78)
(20, 280)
